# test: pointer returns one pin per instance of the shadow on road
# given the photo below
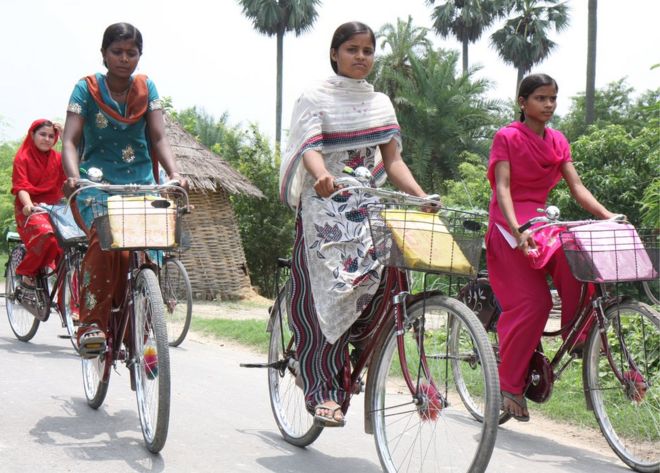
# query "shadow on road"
(304, 460)
(570, 459)
(12, 345)
(92, 435)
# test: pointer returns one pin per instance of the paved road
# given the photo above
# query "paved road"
(221, 421)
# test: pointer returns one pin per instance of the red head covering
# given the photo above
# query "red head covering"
(37, 173)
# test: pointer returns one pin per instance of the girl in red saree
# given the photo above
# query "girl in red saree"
(527, 160)
(37, 178)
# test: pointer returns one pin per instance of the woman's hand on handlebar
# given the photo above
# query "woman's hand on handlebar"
(70, 186)
(28, 209)
(325, 185)
(526, 243)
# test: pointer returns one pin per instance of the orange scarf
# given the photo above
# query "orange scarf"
(137, 100)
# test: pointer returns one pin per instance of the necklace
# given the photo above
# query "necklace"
(117, 94)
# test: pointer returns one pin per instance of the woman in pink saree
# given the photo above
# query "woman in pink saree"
(527, 160)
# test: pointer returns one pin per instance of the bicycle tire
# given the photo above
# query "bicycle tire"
(71, 297)
(96, 378)
(649, 287)
(151, 361)
(627, 415)
(21, 321)
(287, 399)
(401, 421)
(177, 297)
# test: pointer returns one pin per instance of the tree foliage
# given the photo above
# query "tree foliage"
(466, 20)
(276, 18)
(616, 167)
(442, 112)
(613, 105)
(265, 225)
(7, 152)
(523, 40)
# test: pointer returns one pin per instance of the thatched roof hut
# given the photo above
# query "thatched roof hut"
(216, 261)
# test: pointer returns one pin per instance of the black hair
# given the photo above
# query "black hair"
(346, 32)
(532, 82)
(45, 123)
(121, 32)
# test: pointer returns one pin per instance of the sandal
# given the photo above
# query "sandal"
(91, 342)
(522, 404)
(331, 419)
(28, 283)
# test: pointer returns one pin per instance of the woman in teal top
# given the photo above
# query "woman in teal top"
(116, 121)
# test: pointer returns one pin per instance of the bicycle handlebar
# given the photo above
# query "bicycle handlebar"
(552, 218)
(87, 184)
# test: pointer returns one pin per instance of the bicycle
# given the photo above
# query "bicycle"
(137, 218)
(621, 355)
(177, 296)
(411, 401)
(54, 289)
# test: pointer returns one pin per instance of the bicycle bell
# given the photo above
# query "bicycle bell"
(552, 212)
(95, 174)
(363, 175)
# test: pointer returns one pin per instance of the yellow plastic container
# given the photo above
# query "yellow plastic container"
(425, 242)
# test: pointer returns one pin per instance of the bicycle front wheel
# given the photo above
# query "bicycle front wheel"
(96, 377)
(652, 290)
(287, 399)
(430, 429)
(151, 361)
(177, 296)
(22, 322)
(71, 297)
(628, 412)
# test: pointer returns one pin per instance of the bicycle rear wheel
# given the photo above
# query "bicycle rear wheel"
(22, 322)
(287, 399)
(430, 430)
(628, 413)
(96, 378)
(177, 295)
(151, 361)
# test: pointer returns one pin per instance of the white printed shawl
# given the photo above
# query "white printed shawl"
(345, 120)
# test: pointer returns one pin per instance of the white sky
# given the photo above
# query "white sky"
(205, 53)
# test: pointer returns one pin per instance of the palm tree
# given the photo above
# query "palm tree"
(466, 20)
(442, 114)
(403, 40)
(590, 93)
(276, 18)
(523, 40)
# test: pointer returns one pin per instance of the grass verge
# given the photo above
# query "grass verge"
(251, 333)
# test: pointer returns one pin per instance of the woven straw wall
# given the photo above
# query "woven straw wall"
(216, 260)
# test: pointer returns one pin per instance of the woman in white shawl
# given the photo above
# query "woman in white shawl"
(336, 278)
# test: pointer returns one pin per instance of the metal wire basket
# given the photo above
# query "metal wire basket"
(140, 220)
(449, 241)
(610, 253)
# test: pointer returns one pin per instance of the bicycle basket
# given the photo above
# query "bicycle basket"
(608, 252)
(139, 221)
(449, 241)
(67, 231)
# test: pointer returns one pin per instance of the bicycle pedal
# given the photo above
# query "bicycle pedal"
(358, 387)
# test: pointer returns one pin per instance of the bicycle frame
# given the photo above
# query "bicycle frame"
(394, 311)
(591, 312)
(60, 272)
(118, 325)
